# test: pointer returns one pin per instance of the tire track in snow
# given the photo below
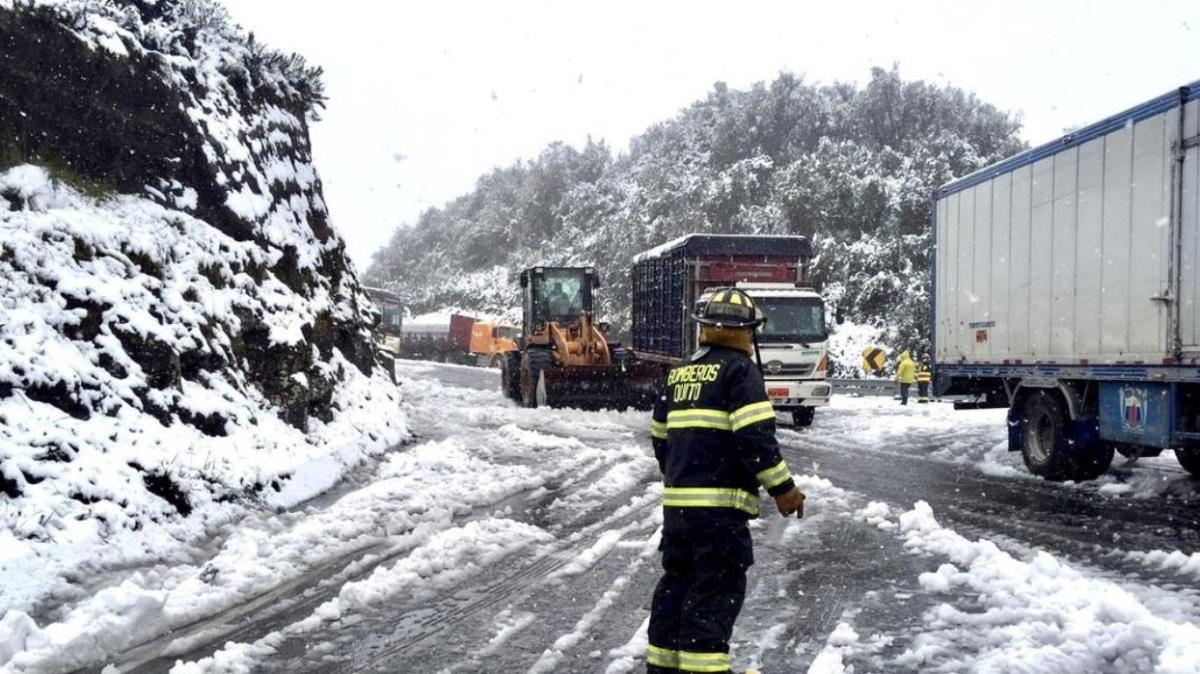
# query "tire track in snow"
(429, 620)
(1063, 521)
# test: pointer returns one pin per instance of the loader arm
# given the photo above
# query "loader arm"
(581, 343)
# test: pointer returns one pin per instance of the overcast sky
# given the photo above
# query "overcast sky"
(426, 96)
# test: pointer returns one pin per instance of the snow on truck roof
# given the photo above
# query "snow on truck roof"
(732, 244)
(1137, 113)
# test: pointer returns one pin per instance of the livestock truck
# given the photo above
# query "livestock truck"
(668, 281)
(1066, 285)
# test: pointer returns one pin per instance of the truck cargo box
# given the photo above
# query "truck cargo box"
(669, 279)
(1084, 252)
(460, 332)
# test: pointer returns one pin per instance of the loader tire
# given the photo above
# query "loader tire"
(533, 391)
(510, 375)
(1189, 459)
(1048, 449)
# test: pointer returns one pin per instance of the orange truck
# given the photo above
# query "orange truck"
(489, 342)
(459, 339)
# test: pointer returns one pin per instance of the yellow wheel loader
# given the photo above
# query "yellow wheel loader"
(564, 358)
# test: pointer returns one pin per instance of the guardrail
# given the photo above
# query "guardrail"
(866, 387)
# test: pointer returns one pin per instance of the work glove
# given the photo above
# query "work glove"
(791, 502)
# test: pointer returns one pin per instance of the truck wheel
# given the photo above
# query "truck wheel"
(532, 387)
(1048, 448)
(1189, 459)
(803, 417)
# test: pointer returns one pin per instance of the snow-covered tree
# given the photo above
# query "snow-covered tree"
(853, 168)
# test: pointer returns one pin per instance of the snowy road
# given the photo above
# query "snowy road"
(511, 540)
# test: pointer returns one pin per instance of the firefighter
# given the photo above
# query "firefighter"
(906, 374)
(713, 432)
(924, 376)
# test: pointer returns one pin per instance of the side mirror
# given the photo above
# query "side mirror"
(839, 316)
(524, 279)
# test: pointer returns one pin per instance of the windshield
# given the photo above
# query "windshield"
(559, 294)
(792, 319)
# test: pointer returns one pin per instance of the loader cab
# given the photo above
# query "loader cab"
(555, 294)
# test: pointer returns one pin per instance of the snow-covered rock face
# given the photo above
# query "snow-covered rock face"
(166, 100)
(179, 326)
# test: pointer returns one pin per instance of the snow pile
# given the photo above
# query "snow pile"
(1037, 615)
(829, 660)
(876, 514)
(1169, 561)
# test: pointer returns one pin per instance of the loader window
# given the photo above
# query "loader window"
(792, 320)
(560, 295)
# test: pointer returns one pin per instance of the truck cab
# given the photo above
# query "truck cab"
(792, 344)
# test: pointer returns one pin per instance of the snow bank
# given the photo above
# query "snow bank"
(1036, 615)
(829, 660)
(1169, 561)
(103, 445)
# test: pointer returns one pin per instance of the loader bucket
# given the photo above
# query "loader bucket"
(593, 387)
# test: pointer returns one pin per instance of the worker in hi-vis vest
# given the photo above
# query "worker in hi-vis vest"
(924, 377)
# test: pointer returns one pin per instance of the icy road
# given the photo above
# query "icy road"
(511, 540)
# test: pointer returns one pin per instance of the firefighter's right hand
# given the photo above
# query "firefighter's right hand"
(791, 502)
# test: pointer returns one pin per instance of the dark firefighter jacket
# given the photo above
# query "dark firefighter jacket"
(714, 435)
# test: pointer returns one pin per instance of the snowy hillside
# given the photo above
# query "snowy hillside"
(183, 337)
(850, 167)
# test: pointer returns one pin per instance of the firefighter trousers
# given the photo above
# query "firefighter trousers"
(704, 556)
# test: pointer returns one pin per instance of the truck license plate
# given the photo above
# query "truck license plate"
(777, 393)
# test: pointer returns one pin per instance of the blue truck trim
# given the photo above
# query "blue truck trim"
(1100, 373)
(1133, 115)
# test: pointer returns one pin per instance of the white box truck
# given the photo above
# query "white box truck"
(1066, 285)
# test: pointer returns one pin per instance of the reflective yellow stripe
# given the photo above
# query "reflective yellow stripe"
(775, 475)
(704, 662)
(751, 414)
(710, 497)
(699, 418)
(662, 657)
(658, 429)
